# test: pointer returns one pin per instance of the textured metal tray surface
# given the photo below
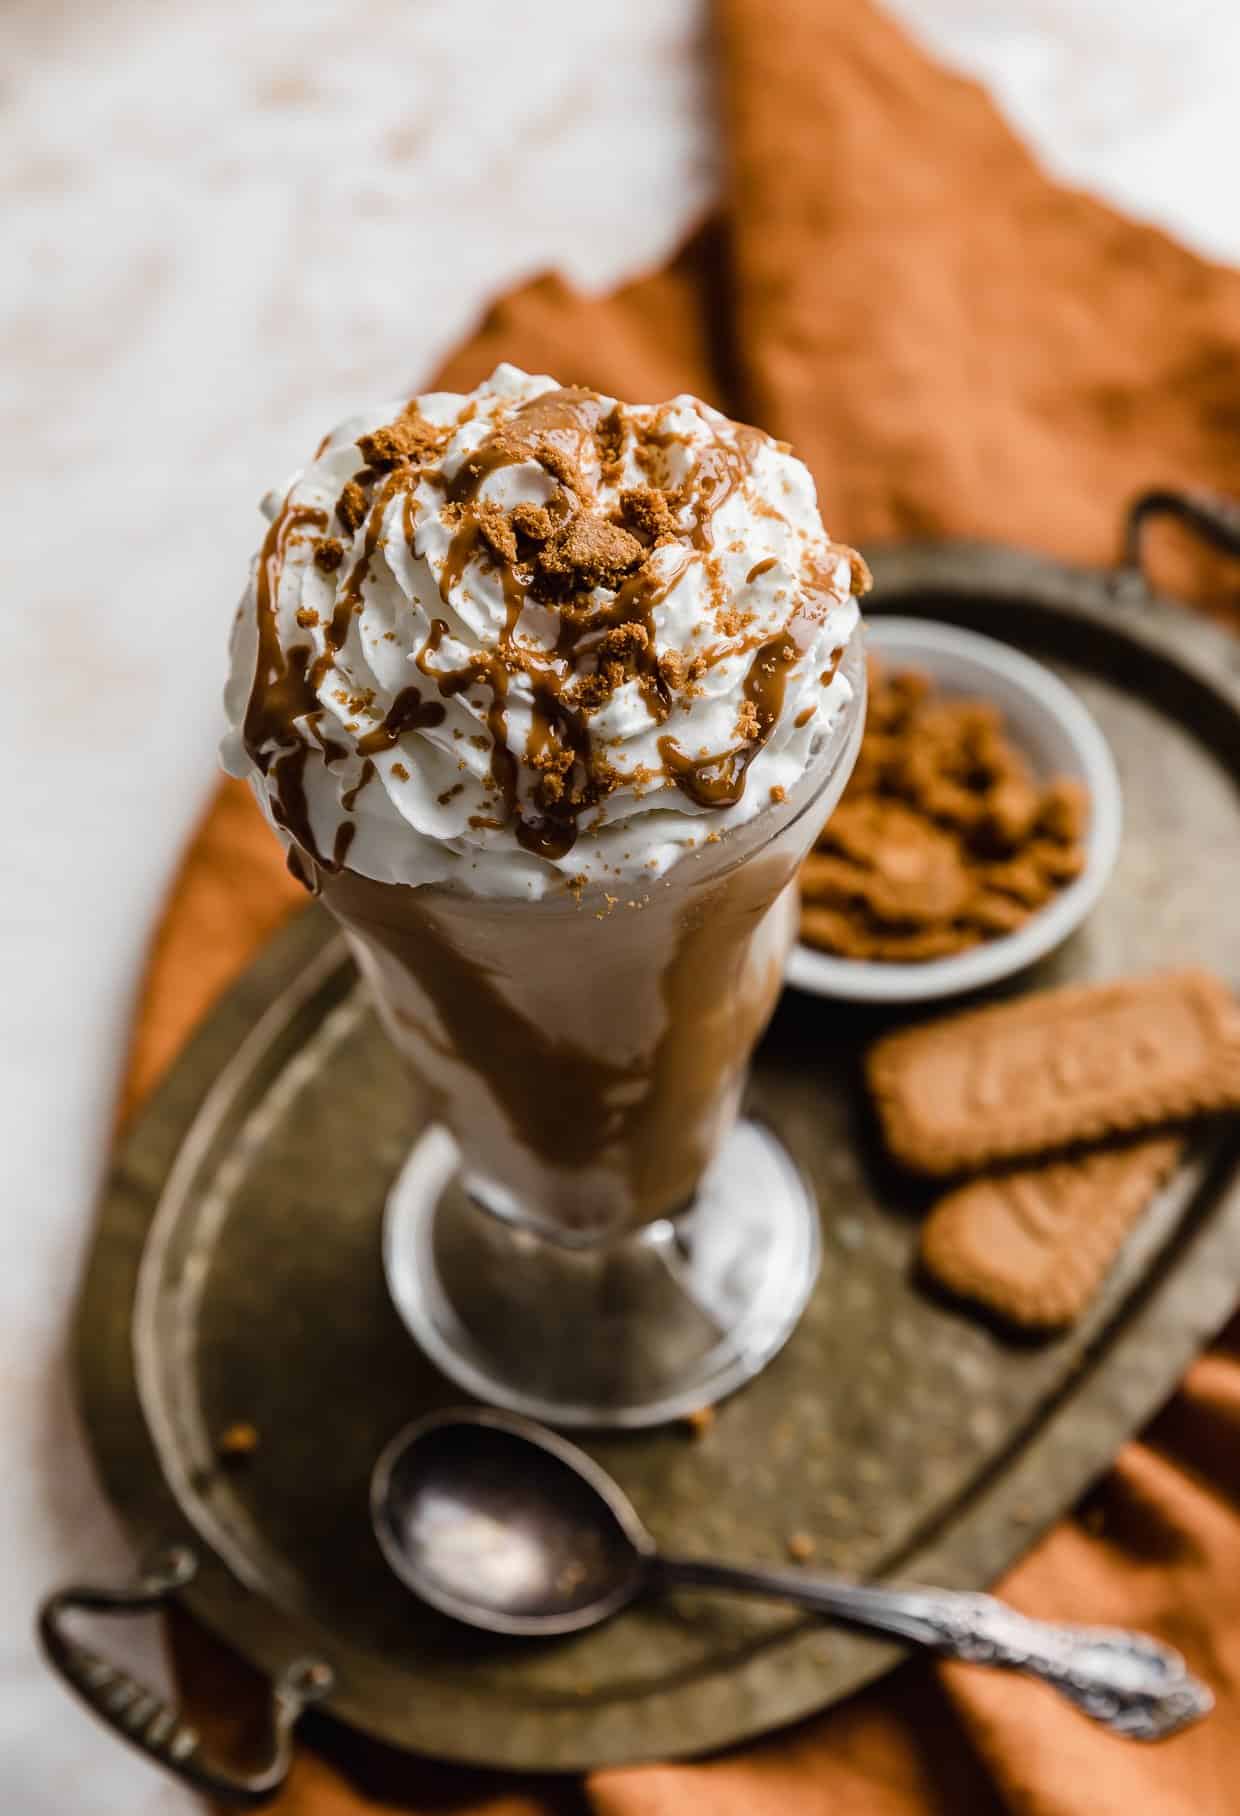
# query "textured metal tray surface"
(236, 1275)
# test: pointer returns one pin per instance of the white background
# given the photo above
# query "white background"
(226, 224)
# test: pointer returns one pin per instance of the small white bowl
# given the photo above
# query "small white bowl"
(1059, 737)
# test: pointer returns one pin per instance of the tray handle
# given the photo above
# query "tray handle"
(1215, 519)
(141, 1717)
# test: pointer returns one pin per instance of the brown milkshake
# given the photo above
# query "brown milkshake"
(588, 1053)
(547, 697)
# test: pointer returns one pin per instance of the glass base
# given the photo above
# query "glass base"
(634, 1333)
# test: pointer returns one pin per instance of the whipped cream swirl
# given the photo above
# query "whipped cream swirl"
(532, 637)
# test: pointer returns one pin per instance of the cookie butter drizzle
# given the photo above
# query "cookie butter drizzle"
(282, 691)
(718, 779)
(564, 431)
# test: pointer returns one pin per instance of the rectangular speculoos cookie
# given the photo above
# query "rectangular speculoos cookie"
(1033, 1246)
(1046, 1072)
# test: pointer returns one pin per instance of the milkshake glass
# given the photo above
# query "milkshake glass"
(585, 1231)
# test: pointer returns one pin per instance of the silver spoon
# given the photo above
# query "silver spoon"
(503, 1525)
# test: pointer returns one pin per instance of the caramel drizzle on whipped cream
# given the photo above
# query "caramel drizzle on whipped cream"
(556, 555)
(718, 779)
(282, 691)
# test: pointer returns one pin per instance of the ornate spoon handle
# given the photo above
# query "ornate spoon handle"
(1128, 1682)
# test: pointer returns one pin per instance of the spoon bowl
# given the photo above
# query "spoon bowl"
(501, 1524)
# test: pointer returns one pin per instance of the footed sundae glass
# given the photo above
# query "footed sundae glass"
(547, 697)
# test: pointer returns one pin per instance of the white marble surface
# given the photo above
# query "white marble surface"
(226, 222)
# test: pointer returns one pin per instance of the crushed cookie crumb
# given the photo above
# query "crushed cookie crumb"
(646, 514)
(590, 552)
(400, 772)
(496, 531)
(560, 465)
(731, 621)
(860, 579)
(605, 778)
(409, 438)
(700, 1421)
(778, 793)
(237, 1441)
(672, 669)
(554, 767)
(533, 521)
(328, 553)
(351, 506)
(307, 617)
(748, 724)
(590, 692)
(624, 639)
(609, 440)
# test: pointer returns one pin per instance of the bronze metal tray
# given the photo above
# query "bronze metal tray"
(235, 1275)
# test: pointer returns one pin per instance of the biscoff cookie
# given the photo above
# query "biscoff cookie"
(1050, 1071)
(856, 827)
(1059, 863)
(992, 912)
(1064, 814)
(1033, 1246)
(914, 945)
(906, 872)
(1010, 814)
(1023, 878)
(834, 928)
(895, 699)
(837, 930)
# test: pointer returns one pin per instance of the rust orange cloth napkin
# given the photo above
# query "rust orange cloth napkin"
(956, 346)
